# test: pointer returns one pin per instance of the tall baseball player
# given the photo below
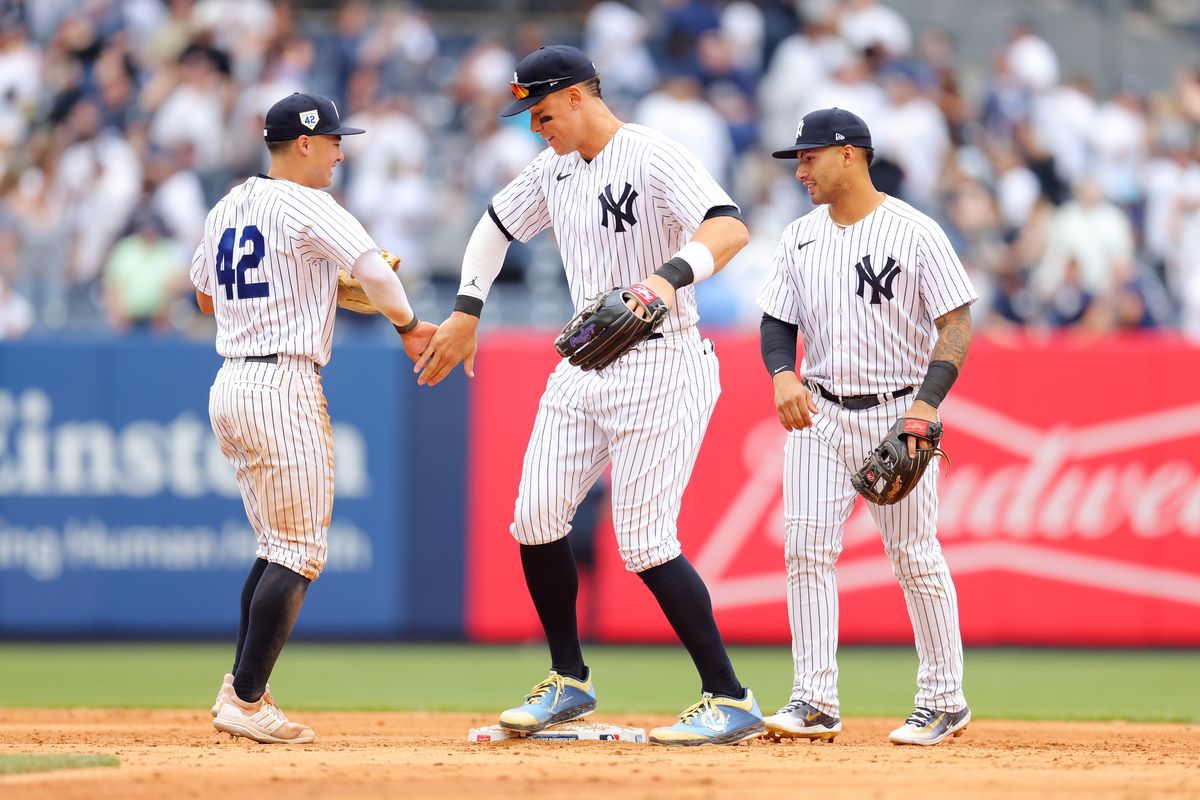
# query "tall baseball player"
(883, 305)
(628, 206)
(267, 268)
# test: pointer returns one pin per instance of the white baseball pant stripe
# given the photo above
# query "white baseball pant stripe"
(272, 423)
(818, 499)
(646, 414)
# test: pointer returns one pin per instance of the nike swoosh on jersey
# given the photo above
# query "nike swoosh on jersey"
(563, 177)
(803, 245)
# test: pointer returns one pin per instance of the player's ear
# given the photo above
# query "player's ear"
(574, 97)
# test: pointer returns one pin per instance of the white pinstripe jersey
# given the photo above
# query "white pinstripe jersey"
(865, 297)
(618, 217)
(269, 259)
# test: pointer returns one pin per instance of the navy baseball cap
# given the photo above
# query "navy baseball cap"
(301, 114)
(826, 127)
(545, 71)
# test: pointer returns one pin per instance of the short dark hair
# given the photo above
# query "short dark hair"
(592, 86)
(870, 151)
(277, 148)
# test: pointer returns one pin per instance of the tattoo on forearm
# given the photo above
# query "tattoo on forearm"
(954, 337)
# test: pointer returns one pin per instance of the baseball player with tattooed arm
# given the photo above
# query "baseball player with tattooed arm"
(267, 269)
(883, 304)
(634, 210)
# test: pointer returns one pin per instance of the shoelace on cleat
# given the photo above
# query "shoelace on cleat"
(696, 709)
(792, 707)
(709, 713)
(539, 692)
(921, 717)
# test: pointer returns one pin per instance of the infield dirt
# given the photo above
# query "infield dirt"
(169, 754)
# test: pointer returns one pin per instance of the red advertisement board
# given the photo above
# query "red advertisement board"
(1070, 515)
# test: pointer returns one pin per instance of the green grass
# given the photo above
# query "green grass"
(10, 764)
(1001, 683)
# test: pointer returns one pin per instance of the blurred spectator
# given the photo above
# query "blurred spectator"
(20, 82)
(801, 62)
(403, 46)
(615, 36)
(389, 189)
(144, 275)
(1007, 101)
(871, 26)
(1017, 188)
(677, 109)
(1032, 59)
(1166, 179)
(242, 28)
(852, 86)
(1064, 118)
(1121, 142)
(717, 64)
(682, 24)
(195, 108)
(743, 26)
(177, 196)
(1089, 254)
(1186, 259)
(99, 179)
(16, 314)
(165, 43)
(915, 135)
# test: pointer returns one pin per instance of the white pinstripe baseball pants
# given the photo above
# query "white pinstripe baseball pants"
(647, 414)
(818, 498)
(273, 425)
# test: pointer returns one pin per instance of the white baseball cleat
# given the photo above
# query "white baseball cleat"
(927, 726)
(228, 681)
(799, 720)
(261, 721)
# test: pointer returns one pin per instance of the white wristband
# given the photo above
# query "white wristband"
(699, 258)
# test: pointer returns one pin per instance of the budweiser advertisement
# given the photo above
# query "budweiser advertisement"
(1070, 514)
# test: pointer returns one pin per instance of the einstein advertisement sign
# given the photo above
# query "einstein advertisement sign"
(119, 514)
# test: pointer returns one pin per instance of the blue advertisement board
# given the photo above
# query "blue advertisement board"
(120, 517)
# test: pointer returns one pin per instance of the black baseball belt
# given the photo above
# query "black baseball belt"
(273, 358)
(860, 402)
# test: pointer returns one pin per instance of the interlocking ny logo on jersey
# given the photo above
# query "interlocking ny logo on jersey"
(881, 284)
(621, 208)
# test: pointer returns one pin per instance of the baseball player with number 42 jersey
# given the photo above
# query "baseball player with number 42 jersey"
(883, 304)
(267, 269)
(629, 208)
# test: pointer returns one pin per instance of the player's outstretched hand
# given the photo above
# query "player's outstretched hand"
(920, 410)
(793, 402)
(456, 339)
(416, 340)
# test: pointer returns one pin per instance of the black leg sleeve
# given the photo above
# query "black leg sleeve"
(273, 611)
(256, 571)
(553, 583)
(685, 601)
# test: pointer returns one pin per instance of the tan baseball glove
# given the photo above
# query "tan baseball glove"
(350, 294)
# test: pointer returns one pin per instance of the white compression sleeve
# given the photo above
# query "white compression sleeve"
(383, 287)
(483, 259)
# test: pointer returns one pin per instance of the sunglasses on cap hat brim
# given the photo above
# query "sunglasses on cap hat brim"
(522, 90)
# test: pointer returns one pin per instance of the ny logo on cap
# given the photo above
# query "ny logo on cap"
(799, 128)
(309, 119)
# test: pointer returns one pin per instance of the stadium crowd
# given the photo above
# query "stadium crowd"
(121, 121)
